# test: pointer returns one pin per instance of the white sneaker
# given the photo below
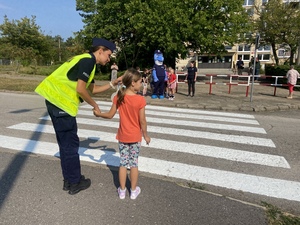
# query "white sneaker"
(122, 193)
(135, 193)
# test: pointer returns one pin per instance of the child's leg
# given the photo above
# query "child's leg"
(172, 92)
(291, 87)
(124, 163)
(134, 151)
(122, 177)
(134, 174)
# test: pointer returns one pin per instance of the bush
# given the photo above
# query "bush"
(273, 70)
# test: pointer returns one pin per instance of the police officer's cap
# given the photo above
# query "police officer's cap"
(104, 42)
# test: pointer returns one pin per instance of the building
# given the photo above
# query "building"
(245, 51)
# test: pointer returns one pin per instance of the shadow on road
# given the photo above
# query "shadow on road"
(13, 170)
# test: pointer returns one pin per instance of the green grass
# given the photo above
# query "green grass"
(276, 217)
(18, 84)
(20, 81)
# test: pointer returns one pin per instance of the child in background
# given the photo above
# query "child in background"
(132, 126)
(172, 83)
(145, 81)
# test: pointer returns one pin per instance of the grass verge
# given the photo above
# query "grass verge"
(22, 85)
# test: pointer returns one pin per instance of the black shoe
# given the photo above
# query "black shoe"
(192, 95)
(66, 186)
(82, 185)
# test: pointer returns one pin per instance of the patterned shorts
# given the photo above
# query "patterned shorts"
(129, 153)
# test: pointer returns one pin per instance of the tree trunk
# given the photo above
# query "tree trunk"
(292, 57)
(298, 56)
(275, 53)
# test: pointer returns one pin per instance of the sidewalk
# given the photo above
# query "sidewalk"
(263, 98)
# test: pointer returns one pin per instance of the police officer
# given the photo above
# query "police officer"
(63, 90)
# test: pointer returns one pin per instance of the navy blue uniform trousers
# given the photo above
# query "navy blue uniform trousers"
(159, 86)
(65, 127)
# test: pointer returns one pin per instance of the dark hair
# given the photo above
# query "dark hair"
(129, 76)
(96, 48)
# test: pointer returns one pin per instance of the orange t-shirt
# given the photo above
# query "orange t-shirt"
(129, 126)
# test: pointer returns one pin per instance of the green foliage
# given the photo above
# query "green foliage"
(279, 23)
(140, 27)
(22, 40)
(273, 70)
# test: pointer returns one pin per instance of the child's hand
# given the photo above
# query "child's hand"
(147, 139)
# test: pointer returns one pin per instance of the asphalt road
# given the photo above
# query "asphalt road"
(31, 183)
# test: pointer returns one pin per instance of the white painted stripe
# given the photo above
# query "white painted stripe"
(169, 145)
(186, 115)
(189, 133)
(276, 188)
(190, 123)
(184, 110)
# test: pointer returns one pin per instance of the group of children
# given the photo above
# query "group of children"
(170, 84)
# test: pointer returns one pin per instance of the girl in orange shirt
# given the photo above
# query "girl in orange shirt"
(132, 127)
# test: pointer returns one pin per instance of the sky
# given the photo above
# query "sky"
(54, 17)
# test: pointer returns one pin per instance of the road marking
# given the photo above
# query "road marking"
(184, 110)
(189, 123)
(170, 145)
(188, 133)
(271, 187)
(185, 115)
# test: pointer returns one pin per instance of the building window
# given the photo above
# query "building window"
(264, 57)
(244, 57)
(248, 2)
(264, 48)
(293, 3)
(244, 48)
(284, 53)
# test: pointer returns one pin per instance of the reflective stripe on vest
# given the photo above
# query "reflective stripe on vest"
(61, 91)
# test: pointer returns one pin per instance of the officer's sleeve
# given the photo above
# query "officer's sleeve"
(85, 68)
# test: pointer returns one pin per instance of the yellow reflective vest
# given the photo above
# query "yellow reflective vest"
(59, 90)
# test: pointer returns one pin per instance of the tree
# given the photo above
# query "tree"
(23, 40)
(142, 26)
(279, 24)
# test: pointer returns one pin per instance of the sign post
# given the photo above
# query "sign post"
(254, 65)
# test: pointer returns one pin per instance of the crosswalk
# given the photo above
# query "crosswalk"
(196, 136)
